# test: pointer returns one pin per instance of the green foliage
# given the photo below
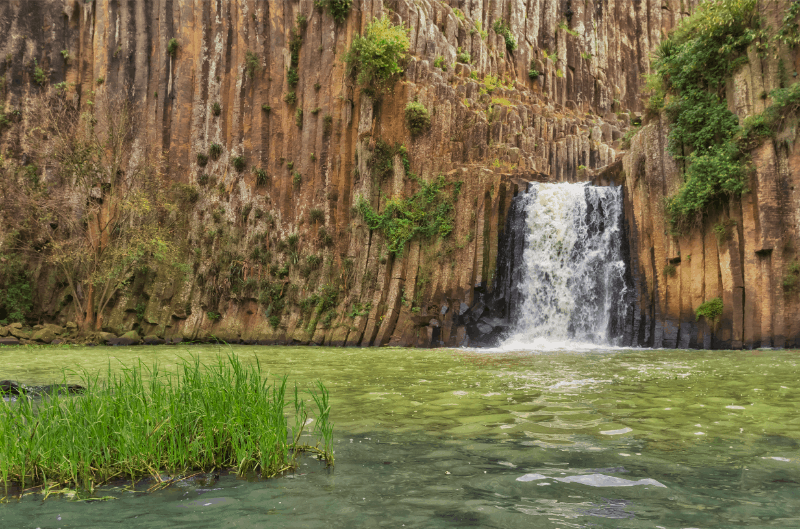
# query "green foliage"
(251, 63)
(669, 270)
(297, 179)
(586, 56)
(313, 261)
(188, 194)
(290, 165)
(292, 77)
(533, 73)
(711, 310)
(463, 57)
(565, 27)
(427, 213)
(16, 294)
(382, 162)
(316, 215)
(266, 108)
(216, 109)
(202, 159)
(213, 316)
(315, 110)
(338, 9)
(789, 33)
(790, 279)
(378, 56)
(290, 98)
(274, 321)
(440, 63)
(625, 143)
(145, 421)
(501, 28)
(39, 74)
(203, 179)
(298, 118)
(172, 47)
(215, 151)
(418, 118)
(327, 124)
(359, 309)
(459, 15)
(238, 163)
(301, 21)
(324, 237)
(261, 176)
(693, 65)
(140, 309)
(295, 43)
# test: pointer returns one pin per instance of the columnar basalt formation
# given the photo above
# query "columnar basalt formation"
(494, 127)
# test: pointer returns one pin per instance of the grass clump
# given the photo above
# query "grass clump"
(202, 159)
(427, 213)
(790, 279)
(216, 109)
(327, 124)
(215, 151)
(266, 108)
(533, 73)
(316, 215)
(290, 98)
(377, 57)
(261, 176)
(418, 119)
(440, 63)
(501, 28)
(143, 422)
(172, 47)
(670, 270)
(298, 118)
(711, 310)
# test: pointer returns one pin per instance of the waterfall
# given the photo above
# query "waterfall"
(571, 276)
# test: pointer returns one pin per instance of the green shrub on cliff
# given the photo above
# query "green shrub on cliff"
(418, 118)
(691, 70)
(711, 310)
(427, 213)
(501, 28)
(338, 9)
(377, 57)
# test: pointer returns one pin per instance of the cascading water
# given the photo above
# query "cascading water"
(561, 272)
(573, 284)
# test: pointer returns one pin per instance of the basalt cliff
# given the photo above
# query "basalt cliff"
(272, 240)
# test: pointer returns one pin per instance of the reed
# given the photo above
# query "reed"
(141, 422)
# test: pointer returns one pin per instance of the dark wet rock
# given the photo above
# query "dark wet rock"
(9, 387)
(10, 340)
(153, 340)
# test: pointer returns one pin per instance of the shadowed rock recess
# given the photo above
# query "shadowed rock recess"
(277, 251)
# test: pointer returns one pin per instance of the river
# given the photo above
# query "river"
(453, 438)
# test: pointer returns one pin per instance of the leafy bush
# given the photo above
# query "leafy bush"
(202, 159)
(216, 109)
(533, 73)
(266, 108)
(377, 56)
(297, 179)
(711, 310)
(463, 57)
(290, 98)
(501, 28)
(298, 118)
(316, 215)
(669, 270)
(327, 124)
(338, 9)
(440, 63)
(292, 77)
(172, 47)
(418, 118)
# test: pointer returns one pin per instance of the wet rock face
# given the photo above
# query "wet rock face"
(564, 125)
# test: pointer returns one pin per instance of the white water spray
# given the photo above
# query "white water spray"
(572, 267)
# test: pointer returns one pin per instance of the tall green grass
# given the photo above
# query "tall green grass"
(142, 422)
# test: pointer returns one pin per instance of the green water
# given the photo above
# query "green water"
(439, 438)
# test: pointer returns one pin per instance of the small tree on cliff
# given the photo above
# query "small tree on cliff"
(378, 57)
(98, 210)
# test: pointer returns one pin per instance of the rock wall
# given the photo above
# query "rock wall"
(563, 126)
(745, 249)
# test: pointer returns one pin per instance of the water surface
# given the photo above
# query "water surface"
(457, 438)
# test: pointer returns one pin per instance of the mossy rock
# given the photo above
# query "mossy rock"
(129, 338)
(44, 335)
